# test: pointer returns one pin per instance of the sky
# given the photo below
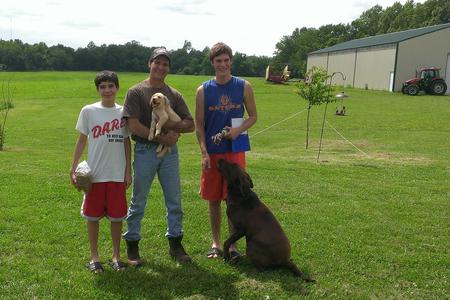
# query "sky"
(250, 27)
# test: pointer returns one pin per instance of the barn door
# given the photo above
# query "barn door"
(391, 82)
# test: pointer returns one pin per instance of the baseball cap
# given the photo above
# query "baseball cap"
(158, 52)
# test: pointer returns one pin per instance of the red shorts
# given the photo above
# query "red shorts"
(105, 199)
(213, 187)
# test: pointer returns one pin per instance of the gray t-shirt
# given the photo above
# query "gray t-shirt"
(137, 104)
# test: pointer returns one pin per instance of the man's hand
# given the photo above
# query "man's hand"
(169, 139)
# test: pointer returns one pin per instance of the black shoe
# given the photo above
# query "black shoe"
(133, 253)
(176, 250)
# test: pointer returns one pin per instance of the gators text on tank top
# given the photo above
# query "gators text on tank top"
(222, 103)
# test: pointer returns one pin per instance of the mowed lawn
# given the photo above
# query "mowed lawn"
(371, 220)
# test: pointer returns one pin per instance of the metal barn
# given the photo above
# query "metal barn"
(384, 62)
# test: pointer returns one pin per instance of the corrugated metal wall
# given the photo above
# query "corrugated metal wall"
(430, 50)
(363, 67)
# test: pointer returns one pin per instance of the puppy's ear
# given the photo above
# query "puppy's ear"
(166, 101)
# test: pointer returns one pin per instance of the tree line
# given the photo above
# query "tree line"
(291, 49)
(131, 57)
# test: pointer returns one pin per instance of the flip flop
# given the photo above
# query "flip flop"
(214, 253)
(95, 267)
(117, 265)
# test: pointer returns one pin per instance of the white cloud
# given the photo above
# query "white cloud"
(194, 7)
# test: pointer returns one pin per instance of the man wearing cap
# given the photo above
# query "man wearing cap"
(146, 164)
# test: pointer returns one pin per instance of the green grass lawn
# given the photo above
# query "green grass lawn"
(369, 224)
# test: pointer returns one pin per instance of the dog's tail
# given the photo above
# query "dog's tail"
(297, 272)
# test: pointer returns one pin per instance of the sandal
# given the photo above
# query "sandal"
(95, 267)
(234, 256)
(117, 265)
(214, 253)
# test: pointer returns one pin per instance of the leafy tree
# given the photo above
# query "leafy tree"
(315, 90)
(180, 58)
(240, 65)
(258, 65)
(389, 19)
(136, 56)
(36, 57)
(61, 58)
(206, 68)
(293, 50)
(368, 23)
(437, 11)
(12, 55)
(86, 58)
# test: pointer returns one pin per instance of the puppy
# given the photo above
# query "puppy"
(161, 112)
(267, 244)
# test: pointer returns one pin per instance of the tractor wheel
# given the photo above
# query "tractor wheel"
(438, 87)
(404, 89)
(413, 90)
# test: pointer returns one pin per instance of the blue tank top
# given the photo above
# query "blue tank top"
(222, 103)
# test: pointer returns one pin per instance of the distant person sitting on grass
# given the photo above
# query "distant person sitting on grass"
(102, 126)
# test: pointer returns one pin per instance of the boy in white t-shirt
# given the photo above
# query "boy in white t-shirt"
(102, 127)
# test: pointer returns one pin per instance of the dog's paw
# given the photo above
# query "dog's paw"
(226, 257)
(232, 258)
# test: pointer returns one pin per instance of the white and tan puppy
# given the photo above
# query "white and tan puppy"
(161, 112)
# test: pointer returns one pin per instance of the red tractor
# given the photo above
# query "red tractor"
(428, 81)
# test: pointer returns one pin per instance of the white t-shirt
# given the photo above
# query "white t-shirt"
(106, 130)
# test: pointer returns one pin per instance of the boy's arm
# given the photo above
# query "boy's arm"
(79, 148)
(199, 129)
(127, 145)
(250, 107)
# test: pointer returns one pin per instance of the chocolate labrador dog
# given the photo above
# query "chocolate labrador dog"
(267, 244)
